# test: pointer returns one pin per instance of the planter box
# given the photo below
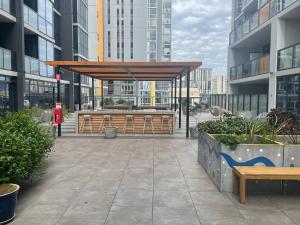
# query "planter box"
(218, 159)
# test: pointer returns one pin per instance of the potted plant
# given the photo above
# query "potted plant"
(24, 146)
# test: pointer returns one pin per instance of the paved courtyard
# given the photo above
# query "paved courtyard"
(139, 182)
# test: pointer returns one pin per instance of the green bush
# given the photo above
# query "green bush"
(229, 126)
(24, 146)
(108, 101)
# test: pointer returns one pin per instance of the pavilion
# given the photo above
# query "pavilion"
(136, 71)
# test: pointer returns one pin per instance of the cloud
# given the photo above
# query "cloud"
(201, 32)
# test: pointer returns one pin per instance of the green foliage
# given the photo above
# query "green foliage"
(121, 102)
(228, 126)
(35, 111)
(108, 101)
(24, 145)
(232, 141)
(66, 112)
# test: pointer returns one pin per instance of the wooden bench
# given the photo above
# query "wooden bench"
(241, 174)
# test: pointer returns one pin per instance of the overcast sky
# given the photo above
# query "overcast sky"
(201, 32)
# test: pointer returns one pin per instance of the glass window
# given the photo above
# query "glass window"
(42, 8)
(297, 56)
(264, 13)
(49, 10)
(42, 25)
(285, 58)
(42, 49)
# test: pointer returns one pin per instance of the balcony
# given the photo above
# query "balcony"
(289, 58)
(267, 9)
(258, 66)
(37, 67)
(30, 17)
(6, 59)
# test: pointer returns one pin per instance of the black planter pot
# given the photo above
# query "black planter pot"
(8, 202)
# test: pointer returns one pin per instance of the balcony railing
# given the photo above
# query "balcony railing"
(254, 67)
(32, 65)
(30, 17)
(6, 5)
(6, 59)
(267, 9)
(289, 57)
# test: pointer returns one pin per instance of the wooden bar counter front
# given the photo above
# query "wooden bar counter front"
(126, 122)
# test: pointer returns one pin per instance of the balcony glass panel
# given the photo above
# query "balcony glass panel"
(7, 59)
(247, 103)
(239, 70)
(241, 103)
(30, 17)
(254, 67)
(297, 56)
(254, 21)
(285, 59)
(254, 103)
(238, 33)
(262, 2)
(31, 65)
(264, 14)
(1, 59)
(5, 5)
(287, 3)
(263, 104)
(246, 27)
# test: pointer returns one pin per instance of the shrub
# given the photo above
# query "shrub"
(228, 126)
(23, 147)
(108, 101)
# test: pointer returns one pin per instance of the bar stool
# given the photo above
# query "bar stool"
(166, 122)
(129, 123)
(148, 121)
(87, 121)
(106, 122)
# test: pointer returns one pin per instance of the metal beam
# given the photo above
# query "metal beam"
(188, 103)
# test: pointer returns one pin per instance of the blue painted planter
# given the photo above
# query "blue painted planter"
(8, 202)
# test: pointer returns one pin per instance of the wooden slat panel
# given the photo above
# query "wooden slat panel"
(118, 121)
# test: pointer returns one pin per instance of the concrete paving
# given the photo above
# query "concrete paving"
(93, 181)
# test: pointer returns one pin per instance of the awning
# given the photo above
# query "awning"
(147, 71)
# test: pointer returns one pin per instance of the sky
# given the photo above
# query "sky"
(201, 32)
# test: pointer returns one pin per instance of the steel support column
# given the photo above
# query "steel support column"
(79, 92)
(93, 93)
(58, 99)
(175, 94)
(188, 103)
(102, 94)
(172, 87)
(180, 100)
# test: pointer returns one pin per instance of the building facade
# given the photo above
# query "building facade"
(34, 31)
(219, 84)
(137, 31)
(264, 56)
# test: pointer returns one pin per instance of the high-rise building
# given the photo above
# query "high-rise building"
(219, 84)
(264, 55)
(137, 31)
(32, 32)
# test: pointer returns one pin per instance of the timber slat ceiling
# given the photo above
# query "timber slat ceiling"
(146, 71)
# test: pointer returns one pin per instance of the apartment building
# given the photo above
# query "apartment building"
(32, 32)
(264, 56)
(137, 31)
(219, 84)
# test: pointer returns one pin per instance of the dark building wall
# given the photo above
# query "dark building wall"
(66, 38)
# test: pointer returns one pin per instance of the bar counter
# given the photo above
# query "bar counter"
(93, 122)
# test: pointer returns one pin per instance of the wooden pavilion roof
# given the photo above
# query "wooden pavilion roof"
(147, 71)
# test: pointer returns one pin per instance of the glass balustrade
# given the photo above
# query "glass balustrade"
(267, 9)
(5, 59)
(5, 5)
(260, 65)
(289, 57)
(31, 65)
(30, 17)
